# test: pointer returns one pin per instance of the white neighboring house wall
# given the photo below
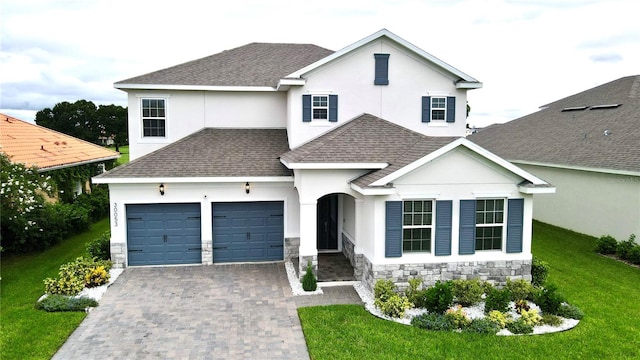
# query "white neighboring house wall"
(190, 111)
(589, 202)
(203, 193)
(351, 77)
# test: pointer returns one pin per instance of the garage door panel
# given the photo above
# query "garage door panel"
(266, 231)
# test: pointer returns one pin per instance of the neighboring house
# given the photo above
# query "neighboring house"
(588, 145)
(49, 150)
(274, 151)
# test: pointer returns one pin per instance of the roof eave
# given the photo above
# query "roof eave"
(335, 166)
(78, 163)
(373, 191)
(125, 87)
(468, 85)
(216, 179)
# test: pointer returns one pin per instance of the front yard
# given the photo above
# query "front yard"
(606, 290)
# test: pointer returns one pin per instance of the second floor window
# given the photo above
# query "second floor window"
(154, 118)
(320, 107)
(438, 108)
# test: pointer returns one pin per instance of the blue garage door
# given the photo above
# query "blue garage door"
(163, 234)
(248, 231)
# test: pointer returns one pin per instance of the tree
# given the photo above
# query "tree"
(85, 121)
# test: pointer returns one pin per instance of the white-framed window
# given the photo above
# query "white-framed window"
(320, 107)
(154, 117)
(438, 108)
(490, 224)
(417, 225)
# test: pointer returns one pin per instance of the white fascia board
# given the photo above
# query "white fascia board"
(537, 190)
(282, 83)
(173, 180)
(193, 87)
(468, 85)
(51, 168)
(579, 168)
(370, 191)
(469, 145)
(340, 166)
(394, 37)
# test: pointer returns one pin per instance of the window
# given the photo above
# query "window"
(320, 107)
(381, 69)
(438, 108)
(417, 225)
(153, 118)
(489, 224)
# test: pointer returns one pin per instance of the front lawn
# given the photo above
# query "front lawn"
(605, 289)
(28, 333)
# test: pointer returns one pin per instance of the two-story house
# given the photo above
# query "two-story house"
(268, 152)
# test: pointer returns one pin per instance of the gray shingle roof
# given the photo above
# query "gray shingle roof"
(255, 64)
(213, 153)
(576, 138)
(368, 139)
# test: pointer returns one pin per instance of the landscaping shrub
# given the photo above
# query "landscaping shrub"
(519, 289)
(570, 312)
(521, 305)
(500, 319)
(497, 299)
(606, 245)
(530, 317)
(634, 255)
(458, 317)
(520, 327)
(539, 272)
(467, 292)
(439, 297)
(384, 289)
(53, 303)
(481, 326)
(65, 285)
(433, 321)
(624, 247)
(549, 299)
(96, 202)
(309, 282)
(550, 319)
(99, 248)
(96, 276)
(72, 276)
(412, 291)
(394, 306)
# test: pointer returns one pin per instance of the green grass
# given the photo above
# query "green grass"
(124, 154)
(28, 333)
(606, 290)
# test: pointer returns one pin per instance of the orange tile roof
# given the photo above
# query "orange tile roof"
(47, 149)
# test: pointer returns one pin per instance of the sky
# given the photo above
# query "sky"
(526, 53)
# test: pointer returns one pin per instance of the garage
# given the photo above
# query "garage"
(163, 234)
(248, 231)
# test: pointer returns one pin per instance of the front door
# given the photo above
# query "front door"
(327, 223)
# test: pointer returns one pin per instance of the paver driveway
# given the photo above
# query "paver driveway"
(243, 311)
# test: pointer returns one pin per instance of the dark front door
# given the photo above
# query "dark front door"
(328, 222)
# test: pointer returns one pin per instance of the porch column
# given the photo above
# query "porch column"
(308, 246)
(358, 238)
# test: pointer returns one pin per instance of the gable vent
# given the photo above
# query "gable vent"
(575, 108)
(606, 106)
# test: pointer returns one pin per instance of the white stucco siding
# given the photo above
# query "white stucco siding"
(351, 78)
(121, 195)
(190, 111)
(349, 216)
(589, 202)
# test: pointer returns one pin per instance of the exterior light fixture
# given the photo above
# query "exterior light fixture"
(247, 187)
(161, 189)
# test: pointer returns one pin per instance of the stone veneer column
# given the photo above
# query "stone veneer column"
(207, 252)
(308, 250)
(118, 255)
(291, 248)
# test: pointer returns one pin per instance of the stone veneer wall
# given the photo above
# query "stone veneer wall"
(495, 272)
(207, 252)
(348, 250)
(291, 248)
(117, 255)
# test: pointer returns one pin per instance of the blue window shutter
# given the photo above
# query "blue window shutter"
(426, 108)
(333, 108)
(515, 220)
(306, 108)
(393, 232)
(382, 69)
(467, 227)
(451, 109)
(443, 227)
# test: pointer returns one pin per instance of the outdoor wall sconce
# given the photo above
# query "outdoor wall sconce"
(161, 189)
(247, 187)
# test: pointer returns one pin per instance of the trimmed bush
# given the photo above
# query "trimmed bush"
(433, 321)
(624, 247)
(54, 303)
(481, 326)
(497, 299)
(519, 289)
(100, 248)
(309, 282)
(72, 276)
(530, 317)
(606, 245)
(384, 289)
(549, 299)
(394, 306)
(439, 297)
(458, 317)
(96, 276)
(467, 292)
(412, 291)
(539, 272)
(65, 285)
(520, 327)
(634, 255)
(500, 319)
(570, 312)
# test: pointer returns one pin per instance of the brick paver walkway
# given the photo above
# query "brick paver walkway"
(243, 311)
